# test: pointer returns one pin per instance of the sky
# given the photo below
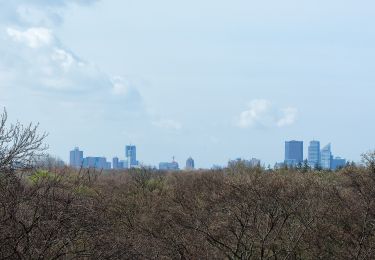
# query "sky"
(213, 79)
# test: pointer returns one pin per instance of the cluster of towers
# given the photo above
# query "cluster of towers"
(317, 158)
(169, 166)
(77, 160)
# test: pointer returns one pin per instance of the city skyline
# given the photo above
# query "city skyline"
(78, 160)
(294, 156)
(316, 158)
(214, 80)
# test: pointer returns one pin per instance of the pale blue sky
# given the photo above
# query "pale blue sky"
(214, 80)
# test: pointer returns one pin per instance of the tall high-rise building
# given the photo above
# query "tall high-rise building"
(76, 158)
(326, 157)
(293, 152)
(190, 164)
(314, 154)
(131, 155)
(115, 163)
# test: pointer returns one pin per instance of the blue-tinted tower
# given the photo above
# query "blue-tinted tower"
(293, 153)
(190, 164)
(314, 154)
(338, 163)
(326, 157)
(115, 163)
(131, 155)
(76, 158)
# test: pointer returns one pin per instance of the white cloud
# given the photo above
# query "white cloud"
(32, 37)
(36, 12)
(167, 124)
(50, 69)
(262, 113)
(121, 86)
(35, 64)
(45, 65)
(65, 59)
(257, 113)
(35, 60)
(288, 118)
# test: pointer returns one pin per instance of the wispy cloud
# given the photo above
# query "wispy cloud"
(37, 55)
(36, 12)
(123, 87)
(288, 118)
(33, 37)
(262, 113)
(34, 59)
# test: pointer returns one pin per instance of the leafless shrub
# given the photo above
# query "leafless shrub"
(19, 145)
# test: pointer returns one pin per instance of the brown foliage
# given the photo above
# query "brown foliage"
(224, 214)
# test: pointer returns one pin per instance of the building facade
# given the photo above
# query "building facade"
(190, 164)
(169, 166)
(293, 153)
(76, 158)
(247, 163)
(131, 155)
(96, 163)
(326, 157)
(338, 163)
(115, 163)
(314, 154)
(123, 164)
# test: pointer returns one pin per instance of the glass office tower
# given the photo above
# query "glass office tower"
(314, 154)
(326, 157)
(131, 155)
(293, 153)
(76, 158)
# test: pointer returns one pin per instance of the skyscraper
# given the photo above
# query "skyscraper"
(76, 158)
(314, 154)
(131, 155)
(115, 163)
(190, 164)
(293, 152)
(326, 157)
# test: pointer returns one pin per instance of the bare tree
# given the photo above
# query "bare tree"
(20, 144)
(369, 160)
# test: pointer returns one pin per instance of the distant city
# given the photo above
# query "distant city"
(317, 158)
(77, 160)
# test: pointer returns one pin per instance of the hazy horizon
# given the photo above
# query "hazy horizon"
(215, 80)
